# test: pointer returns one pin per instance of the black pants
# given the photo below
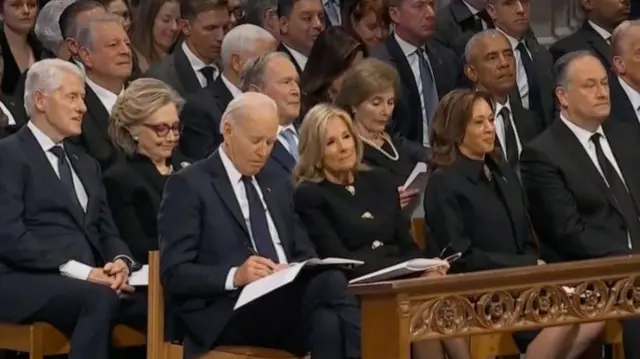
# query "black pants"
(313, 314)
(85, 312)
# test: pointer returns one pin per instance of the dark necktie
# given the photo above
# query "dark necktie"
(429, 91)
(619, 191)
(479, 18)
(511, 152)
(535, 101)
(208, 72)
(258, 221)
(64, 170)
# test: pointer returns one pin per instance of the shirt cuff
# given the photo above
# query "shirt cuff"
(75, 269)
(228, 285)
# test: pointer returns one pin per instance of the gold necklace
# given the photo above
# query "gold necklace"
(385, 138)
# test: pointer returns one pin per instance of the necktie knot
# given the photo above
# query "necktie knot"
(595, 138)
(504, 113)
(521, 47)
(209, 73)
(246, 180)
(58, 151)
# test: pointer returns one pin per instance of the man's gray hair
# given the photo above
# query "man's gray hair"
(242, 39)
(562, 65)
(254, 102)
(254, 69)
(620, 36)
(470, 47)
(255, 9)
(46, 76)
(85, 35)
(47, 29)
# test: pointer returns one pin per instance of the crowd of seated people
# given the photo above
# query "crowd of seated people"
(239, 137)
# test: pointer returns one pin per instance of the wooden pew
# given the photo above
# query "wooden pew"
(493, 302)
(159, 349)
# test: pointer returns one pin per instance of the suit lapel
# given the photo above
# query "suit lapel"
(284, 49)
(438, 67)
(512, 199)
(185, 72)
(597, 42)
(97, 110)
(404, 70)
(47, 174)
(222, 93)
(224, 189)
(577, 153)
(622, 104)
(283, 157)
(83, 170)
(625, 159)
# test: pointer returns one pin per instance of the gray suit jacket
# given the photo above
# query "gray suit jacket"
(176, 71)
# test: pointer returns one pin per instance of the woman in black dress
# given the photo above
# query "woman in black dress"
(474, 205)
(352, 211)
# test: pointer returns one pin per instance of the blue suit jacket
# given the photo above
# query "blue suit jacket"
(203, 234)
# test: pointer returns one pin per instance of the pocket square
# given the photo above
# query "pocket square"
(367, 215)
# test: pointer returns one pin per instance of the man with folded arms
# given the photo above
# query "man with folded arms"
(224, 224)
(61, 258)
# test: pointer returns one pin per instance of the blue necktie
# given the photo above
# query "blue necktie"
(66, 177)
(258, 222)
(288, 136)
(535, 101)
(429, 91)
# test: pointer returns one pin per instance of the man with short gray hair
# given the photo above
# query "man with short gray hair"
(263, 13)
(62, 260)
(105, 51)
(203, 110)
(224, 223)
(625, 84)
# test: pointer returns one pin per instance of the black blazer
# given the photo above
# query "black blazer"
(284, 49)
(203, 234)
(571, 208)
(346, 226)
(176, 71)
(621, 107)
(447, 69)
(16, 106)
(409, 154)
(95, 131)
(40, 226)
(455, 25)
(12, 73)
(134, 191)
(528, 124)
(201, 116)
(489, 225)
(586, 38)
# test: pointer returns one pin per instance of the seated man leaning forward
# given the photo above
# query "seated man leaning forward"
(223, 224)
(61, 258)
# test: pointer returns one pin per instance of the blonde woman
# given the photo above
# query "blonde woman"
(351, 211)
(145, 125)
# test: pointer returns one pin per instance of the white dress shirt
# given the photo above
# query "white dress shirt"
(105, 96)
(633, 95)
(5, 110)
(413, 58)
(299, 58)
(283, 140)
(72, 268)
(584, 137)
(521, 74)
(197, 65)
(606, 35)
(235, 91)
(500, 126)
(235, 178)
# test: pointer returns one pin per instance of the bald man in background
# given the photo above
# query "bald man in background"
(625, 83)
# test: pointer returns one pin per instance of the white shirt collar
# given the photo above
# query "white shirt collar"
(290, 127)
(472, 9)
(634, 96)
(600, 30)
(232, 172)
(407, 48)
(500, 106)
(43, 140)
(583, 136)
(3, 108)
(105, 96)
(194, 61)
(300, 58)
(512, 40)
(235, 92)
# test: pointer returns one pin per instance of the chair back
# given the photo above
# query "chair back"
(155, 317)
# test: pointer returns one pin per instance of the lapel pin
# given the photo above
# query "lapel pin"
(185, 164)
(367, 215)
(268, 189)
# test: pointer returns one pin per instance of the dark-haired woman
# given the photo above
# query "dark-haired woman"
(474, 205)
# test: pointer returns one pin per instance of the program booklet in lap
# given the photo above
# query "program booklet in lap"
(399, 270)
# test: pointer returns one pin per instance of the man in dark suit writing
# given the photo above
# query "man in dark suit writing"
(61, 258)
(581, 175)
(224, 224)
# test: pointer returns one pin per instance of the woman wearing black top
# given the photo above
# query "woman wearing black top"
(351, 211)
(474, 205)
(144, 124)
(368, 93)
(18, 45)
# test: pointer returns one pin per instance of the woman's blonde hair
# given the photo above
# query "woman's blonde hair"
(134, 106)
(313, 139)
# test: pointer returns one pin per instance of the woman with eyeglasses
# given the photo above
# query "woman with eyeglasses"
(145, 125)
